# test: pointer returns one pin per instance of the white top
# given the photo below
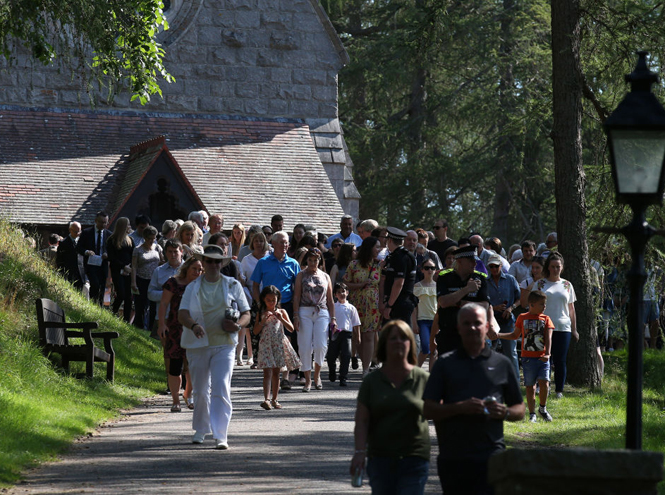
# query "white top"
(247, 266)
(346, 316)
(559, 295)
(520, 271)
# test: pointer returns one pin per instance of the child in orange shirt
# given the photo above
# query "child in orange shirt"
(535, 328)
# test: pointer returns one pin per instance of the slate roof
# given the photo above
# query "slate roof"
(63, 165)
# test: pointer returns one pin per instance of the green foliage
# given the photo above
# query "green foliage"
(111, 42)
(42, 410)
(447, 108)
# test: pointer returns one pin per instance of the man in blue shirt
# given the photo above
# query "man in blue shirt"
(346, 233)
(280, 270)
(504, 295)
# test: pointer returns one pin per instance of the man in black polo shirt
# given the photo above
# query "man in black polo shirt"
(470, 393)
(454, 288)
(396, 299)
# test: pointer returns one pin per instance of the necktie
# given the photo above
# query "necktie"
(99, 242)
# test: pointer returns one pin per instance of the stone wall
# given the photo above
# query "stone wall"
(262, 58)
(265, 58)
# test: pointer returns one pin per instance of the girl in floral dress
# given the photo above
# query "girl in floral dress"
(362, 278)
(275, 351)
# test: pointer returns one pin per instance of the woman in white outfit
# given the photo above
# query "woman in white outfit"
(313, 309)
(212, 311)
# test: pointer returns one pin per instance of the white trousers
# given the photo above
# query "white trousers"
(211, 369)
(312, 336)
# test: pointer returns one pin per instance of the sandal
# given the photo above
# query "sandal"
(306, 388)
(266, 405)
(276, 404)
(175, 408)
(190, 402)
(319, 385)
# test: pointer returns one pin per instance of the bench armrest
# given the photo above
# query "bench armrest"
(107, 336)
(89, 325)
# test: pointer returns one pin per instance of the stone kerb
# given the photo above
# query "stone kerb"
(572, 471)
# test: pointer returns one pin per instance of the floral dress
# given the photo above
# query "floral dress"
(172, 347)
(275, 350)
(365, 300)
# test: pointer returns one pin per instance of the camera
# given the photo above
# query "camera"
(232, 314)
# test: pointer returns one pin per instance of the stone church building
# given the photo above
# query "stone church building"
(248, 129)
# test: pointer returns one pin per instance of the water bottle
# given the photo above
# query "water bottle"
(357, 478)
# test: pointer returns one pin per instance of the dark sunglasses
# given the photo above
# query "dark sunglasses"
(208, 260)
(494, 266)
(429, 268)
(437, 227)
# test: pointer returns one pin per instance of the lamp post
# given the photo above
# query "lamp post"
(636, 139)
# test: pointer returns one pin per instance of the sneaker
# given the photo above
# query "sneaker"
(332, 375)
(198, 437)
(559, 395)
(221, 445)
(354, 363)
(342, 382)
(544, 414)
(285, 385)
(533, 418)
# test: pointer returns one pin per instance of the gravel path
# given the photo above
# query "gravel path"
(304, 448)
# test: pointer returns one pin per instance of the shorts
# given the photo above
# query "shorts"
(650, 312)
(534, 369)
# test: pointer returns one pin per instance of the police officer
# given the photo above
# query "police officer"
(396, 299)
(455, 287)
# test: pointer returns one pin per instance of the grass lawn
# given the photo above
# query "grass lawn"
(598, 419)
(42, 410)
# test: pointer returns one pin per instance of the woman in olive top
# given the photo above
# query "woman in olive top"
(389, 400)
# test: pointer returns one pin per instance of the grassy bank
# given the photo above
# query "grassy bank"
(598, 419)
(42, 410)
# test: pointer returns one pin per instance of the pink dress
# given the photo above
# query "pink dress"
(275, 350)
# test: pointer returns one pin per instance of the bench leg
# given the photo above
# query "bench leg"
(89, 365)
(110, 368)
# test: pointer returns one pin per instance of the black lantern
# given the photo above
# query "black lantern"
(636, 138)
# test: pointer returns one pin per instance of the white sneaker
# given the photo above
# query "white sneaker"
(198, 437)
(544, 414)
(559, 395)
(533, 418)
(221, 445)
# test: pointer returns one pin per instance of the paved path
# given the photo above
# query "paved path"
(303, 448)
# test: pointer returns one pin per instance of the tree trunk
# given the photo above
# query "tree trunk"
(506, 160)
(569, 185)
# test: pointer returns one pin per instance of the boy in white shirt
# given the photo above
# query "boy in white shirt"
(348, 326)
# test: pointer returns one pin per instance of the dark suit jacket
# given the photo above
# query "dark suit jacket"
(67, 260)
(87, 242)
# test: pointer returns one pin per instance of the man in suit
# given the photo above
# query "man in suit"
(67, 258)
(93, 242)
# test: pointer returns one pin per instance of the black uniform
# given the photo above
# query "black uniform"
(466, 442)
(401, 264)
(449, 281)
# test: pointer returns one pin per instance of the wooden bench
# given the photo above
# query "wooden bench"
(55, 332)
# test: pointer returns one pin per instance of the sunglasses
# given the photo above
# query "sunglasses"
(429, 268)
(492, 267)
(336, 245)
(437, 227)
(208, 260)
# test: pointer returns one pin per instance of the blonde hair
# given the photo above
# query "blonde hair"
(119, 238)
(405, 331)
(188, 226)
(236, 246)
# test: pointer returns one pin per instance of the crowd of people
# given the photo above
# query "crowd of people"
(380, 299)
